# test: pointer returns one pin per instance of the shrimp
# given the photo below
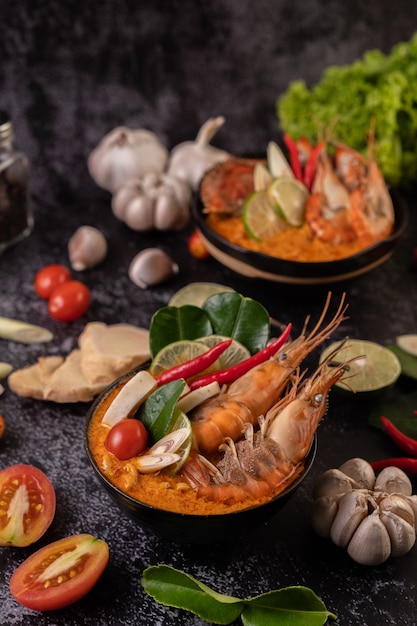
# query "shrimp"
(328, 206)
(372, 209)
(350, 165)
(267, 461)
(255, 392)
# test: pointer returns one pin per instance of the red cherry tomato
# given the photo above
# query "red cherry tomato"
(196, 246)
(27, 505)
(50, 277)
(127, 438)
(60, 573)
(69, 301)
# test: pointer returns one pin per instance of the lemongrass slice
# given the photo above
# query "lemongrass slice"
(16, 330)
(151, 463)
(130, 397)
(5, 369)
(171, 442)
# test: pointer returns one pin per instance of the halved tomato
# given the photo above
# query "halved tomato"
(60, 573)
(27, 505)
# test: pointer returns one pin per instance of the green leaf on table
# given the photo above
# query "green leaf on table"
(407, 361)
(239, 317)
(171, 323)
(400, 411)
(298, 606)
(158, 412)
(174, 588)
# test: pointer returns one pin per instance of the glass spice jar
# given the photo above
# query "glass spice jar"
(16, 216)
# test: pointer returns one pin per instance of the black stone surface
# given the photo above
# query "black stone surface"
(69, 73)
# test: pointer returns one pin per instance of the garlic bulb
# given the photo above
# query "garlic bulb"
(373, 517)
(191, 159)
(151, 267)
(87, 248)
(160, 202)
(124, 154)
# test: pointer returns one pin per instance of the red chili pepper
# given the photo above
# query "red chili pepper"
(294, 157)
(193, 366)
(311, 165)
(232, 373)
(404, 442)
(304, 149)
(402, 462)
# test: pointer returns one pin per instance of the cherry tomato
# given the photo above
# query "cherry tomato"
(2, 425)
(50, 277)
(60, 573)
(127, 438)
(196, 246)
(27, 505)
(69, 301)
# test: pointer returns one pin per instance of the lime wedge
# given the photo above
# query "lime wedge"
(375, 368)
(288, 197)
(408, 343)
(235, 353)
(261, 177)
(259, 218)
(196, 293)
(174, 354)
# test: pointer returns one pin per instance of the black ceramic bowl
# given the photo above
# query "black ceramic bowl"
(258, 265)
(192, 528)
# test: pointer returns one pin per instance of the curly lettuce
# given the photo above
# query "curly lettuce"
(377, 86)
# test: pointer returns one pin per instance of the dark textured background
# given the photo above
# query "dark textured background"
(69, 73)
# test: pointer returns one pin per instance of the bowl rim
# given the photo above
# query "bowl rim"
(259, 264)
(308, 463)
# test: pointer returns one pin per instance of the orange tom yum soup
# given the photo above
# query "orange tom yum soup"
(161, 490)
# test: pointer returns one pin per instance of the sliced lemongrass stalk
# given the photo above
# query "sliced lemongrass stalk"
(151, 463)
(5, 369)
(1, 389)
(16, 330)
(171, 442)
(190, 400)
(132, 394)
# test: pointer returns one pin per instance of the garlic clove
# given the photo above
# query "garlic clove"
(393, 480)
(323, 514)
(402, 533)
(353, 508)
(360, 471)
(139, 213)
(371, 543)
(124, 195)
(151, 267)
(87, 247)
(169, 214)
(332, 482)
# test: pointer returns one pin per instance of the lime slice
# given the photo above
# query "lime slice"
(196, 293)
(408, 343)
(261, 177)
(235, 353)
(259, 218)
(288, 197)
(374, 369)
(277, 162)
(174, 354)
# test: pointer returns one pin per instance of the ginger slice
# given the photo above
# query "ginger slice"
(29, 381)
(107, 352)
(68, 384)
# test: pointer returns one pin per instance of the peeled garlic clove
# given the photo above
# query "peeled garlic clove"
(353, 508)
(360, 471)
(86, 248)
(151, 267)
(402, 533)
(371, 543)
(332, 482)
(323, 514)
(393, 480)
